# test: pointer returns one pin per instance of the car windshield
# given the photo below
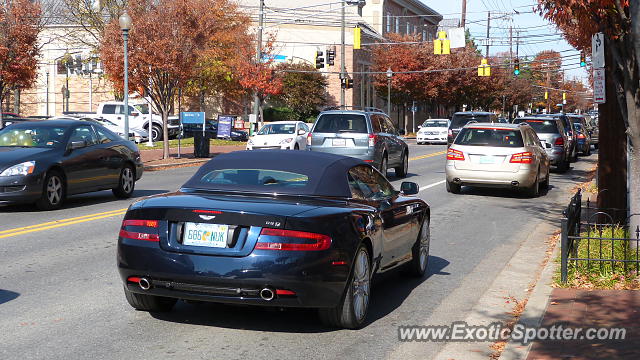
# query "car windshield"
(540, 126)
(24, 135)
(256, 177)
(460, 120)
(489, 137)
(335, 123)
(277, 129)
(435, 123)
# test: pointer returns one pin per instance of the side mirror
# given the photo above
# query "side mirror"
(301, 132)
(409, 188)
(419, 126)
(77, 145)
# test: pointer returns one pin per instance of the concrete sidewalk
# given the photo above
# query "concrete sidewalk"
(152, 158)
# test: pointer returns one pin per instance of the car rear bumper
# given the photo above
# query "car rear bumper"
(556, 156)
(20, 189)
(364, 154)
(525, 177)
(238, 280)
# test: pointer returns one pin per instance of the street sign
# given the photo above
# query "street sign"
(457, 38)
(224, 126)
(192, 118)
(597, 50)
(599, 95)
(253, 118)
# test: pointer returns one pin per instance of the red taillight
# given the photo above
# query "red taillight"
(133, 279)
(293, 240)
(145, 236)
(372, 139)
(283, 292)
(309, 139)
(522, 158)
(559, 142)
(453, 154)
(581, 136)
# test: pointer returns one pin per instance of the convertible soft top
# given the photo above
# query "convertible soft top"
(327, 173)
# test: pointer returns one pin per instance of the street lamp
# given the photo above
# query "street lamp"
(389, 76)
(125, 25)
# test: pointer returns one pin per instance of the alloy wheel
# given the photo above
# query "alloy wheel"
(127, 179)
(383, 166)
(425, 240)
(54, 190)
(360, 286)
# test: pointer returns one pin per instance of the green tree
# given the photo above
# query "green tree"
(304, 89)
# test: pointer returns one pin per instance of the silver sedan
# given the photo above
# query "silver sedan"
(497, 155)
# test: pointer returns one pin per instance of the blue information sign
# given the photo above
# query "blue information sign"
(192, 118)
(224, 126)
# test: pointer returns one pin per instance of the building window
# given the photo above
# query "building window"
(389, 19)
(424, 35)
(397, 25)
(408, 28)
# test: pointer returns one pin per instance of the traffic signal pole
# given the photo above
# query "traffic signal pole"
(256, 98)
(343, 69)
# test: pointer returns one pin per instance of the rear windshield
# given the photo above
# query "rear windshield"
(283, 129)
(335, 123)
(460, 120)
(256, 177)
(540, 126)
(435, 123)
(489, 137)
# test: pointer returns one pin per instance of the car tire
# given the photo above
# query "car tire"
(352, 310)
(534, 190)
(419, 263)
(384, 165)
(54, 191)
(403, 169)
(126, 183)
(156, 132)
(453, 187)
(545, 183)
(146, 302)
(296, 147)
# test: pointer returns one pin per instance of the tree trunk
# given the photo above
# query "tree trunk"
(165, 134)
(612, 152)
(634, 189)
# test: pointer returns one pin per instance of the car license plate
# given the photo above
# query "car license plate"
(487, 160)
(339, 142)
(210, 235)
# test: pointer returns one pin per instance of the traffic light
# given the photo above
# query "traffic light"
(484, 69)
(546, 95)
(516, 67)
(583, 59)
(346, 83)
(356, 38)
(319, 60)
(442, 45)
(331, 57)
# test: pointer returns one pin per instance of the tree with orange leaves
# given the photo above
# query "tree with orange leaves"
(19, 29)
(167, 40)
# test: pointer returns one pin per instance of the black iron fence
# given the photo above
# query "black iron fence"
(591, 241)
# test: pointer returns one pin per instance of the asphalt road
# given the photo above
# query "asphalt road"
(61, 296)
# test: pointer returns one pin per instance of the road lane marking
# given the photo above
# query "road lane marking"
(432, 185)
(428, 155)
(60, 223)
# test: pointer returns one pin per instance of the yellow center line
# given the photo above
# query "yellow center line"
(428, 155)
(60, 223)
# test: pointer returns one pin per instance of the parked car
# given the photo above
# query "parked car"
(572, 137)
(239, 135)
(433, 131)
(551, 133)
(460, 119)
(497, 155)
(587, 130)
(14, 120)
(366, 135)
(584, 139)
(274, 228)
(289, 135)
(43, 162)
(136, 135)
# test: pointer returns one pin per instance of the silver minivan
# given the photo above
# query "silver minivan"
(366, 135)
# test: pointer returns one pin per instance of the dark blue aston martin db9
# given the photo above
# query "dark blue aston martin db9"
(274, 228)
(43, 162)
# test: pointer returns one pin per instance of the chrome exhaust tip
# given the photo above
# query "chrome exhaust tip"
(144, 284)
(267, 294)
(515, 183)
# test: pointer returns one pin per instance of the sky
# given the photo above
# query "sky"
(536, 34)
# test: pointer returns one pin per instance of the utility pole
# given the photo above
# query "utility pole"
(256, 98)
(464, 13)
(510, 45)
(488, 27)
(343, 70)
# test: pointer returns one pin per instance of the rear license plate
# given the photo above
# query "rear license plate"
(210, 235)
(487, 160)
(339, 142)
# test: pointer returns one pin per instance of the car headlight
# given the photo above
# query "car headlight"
(24, 168)
(286, 141)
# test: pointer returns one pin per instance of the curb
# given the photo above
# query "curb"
(175, 165)
(535, 310)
